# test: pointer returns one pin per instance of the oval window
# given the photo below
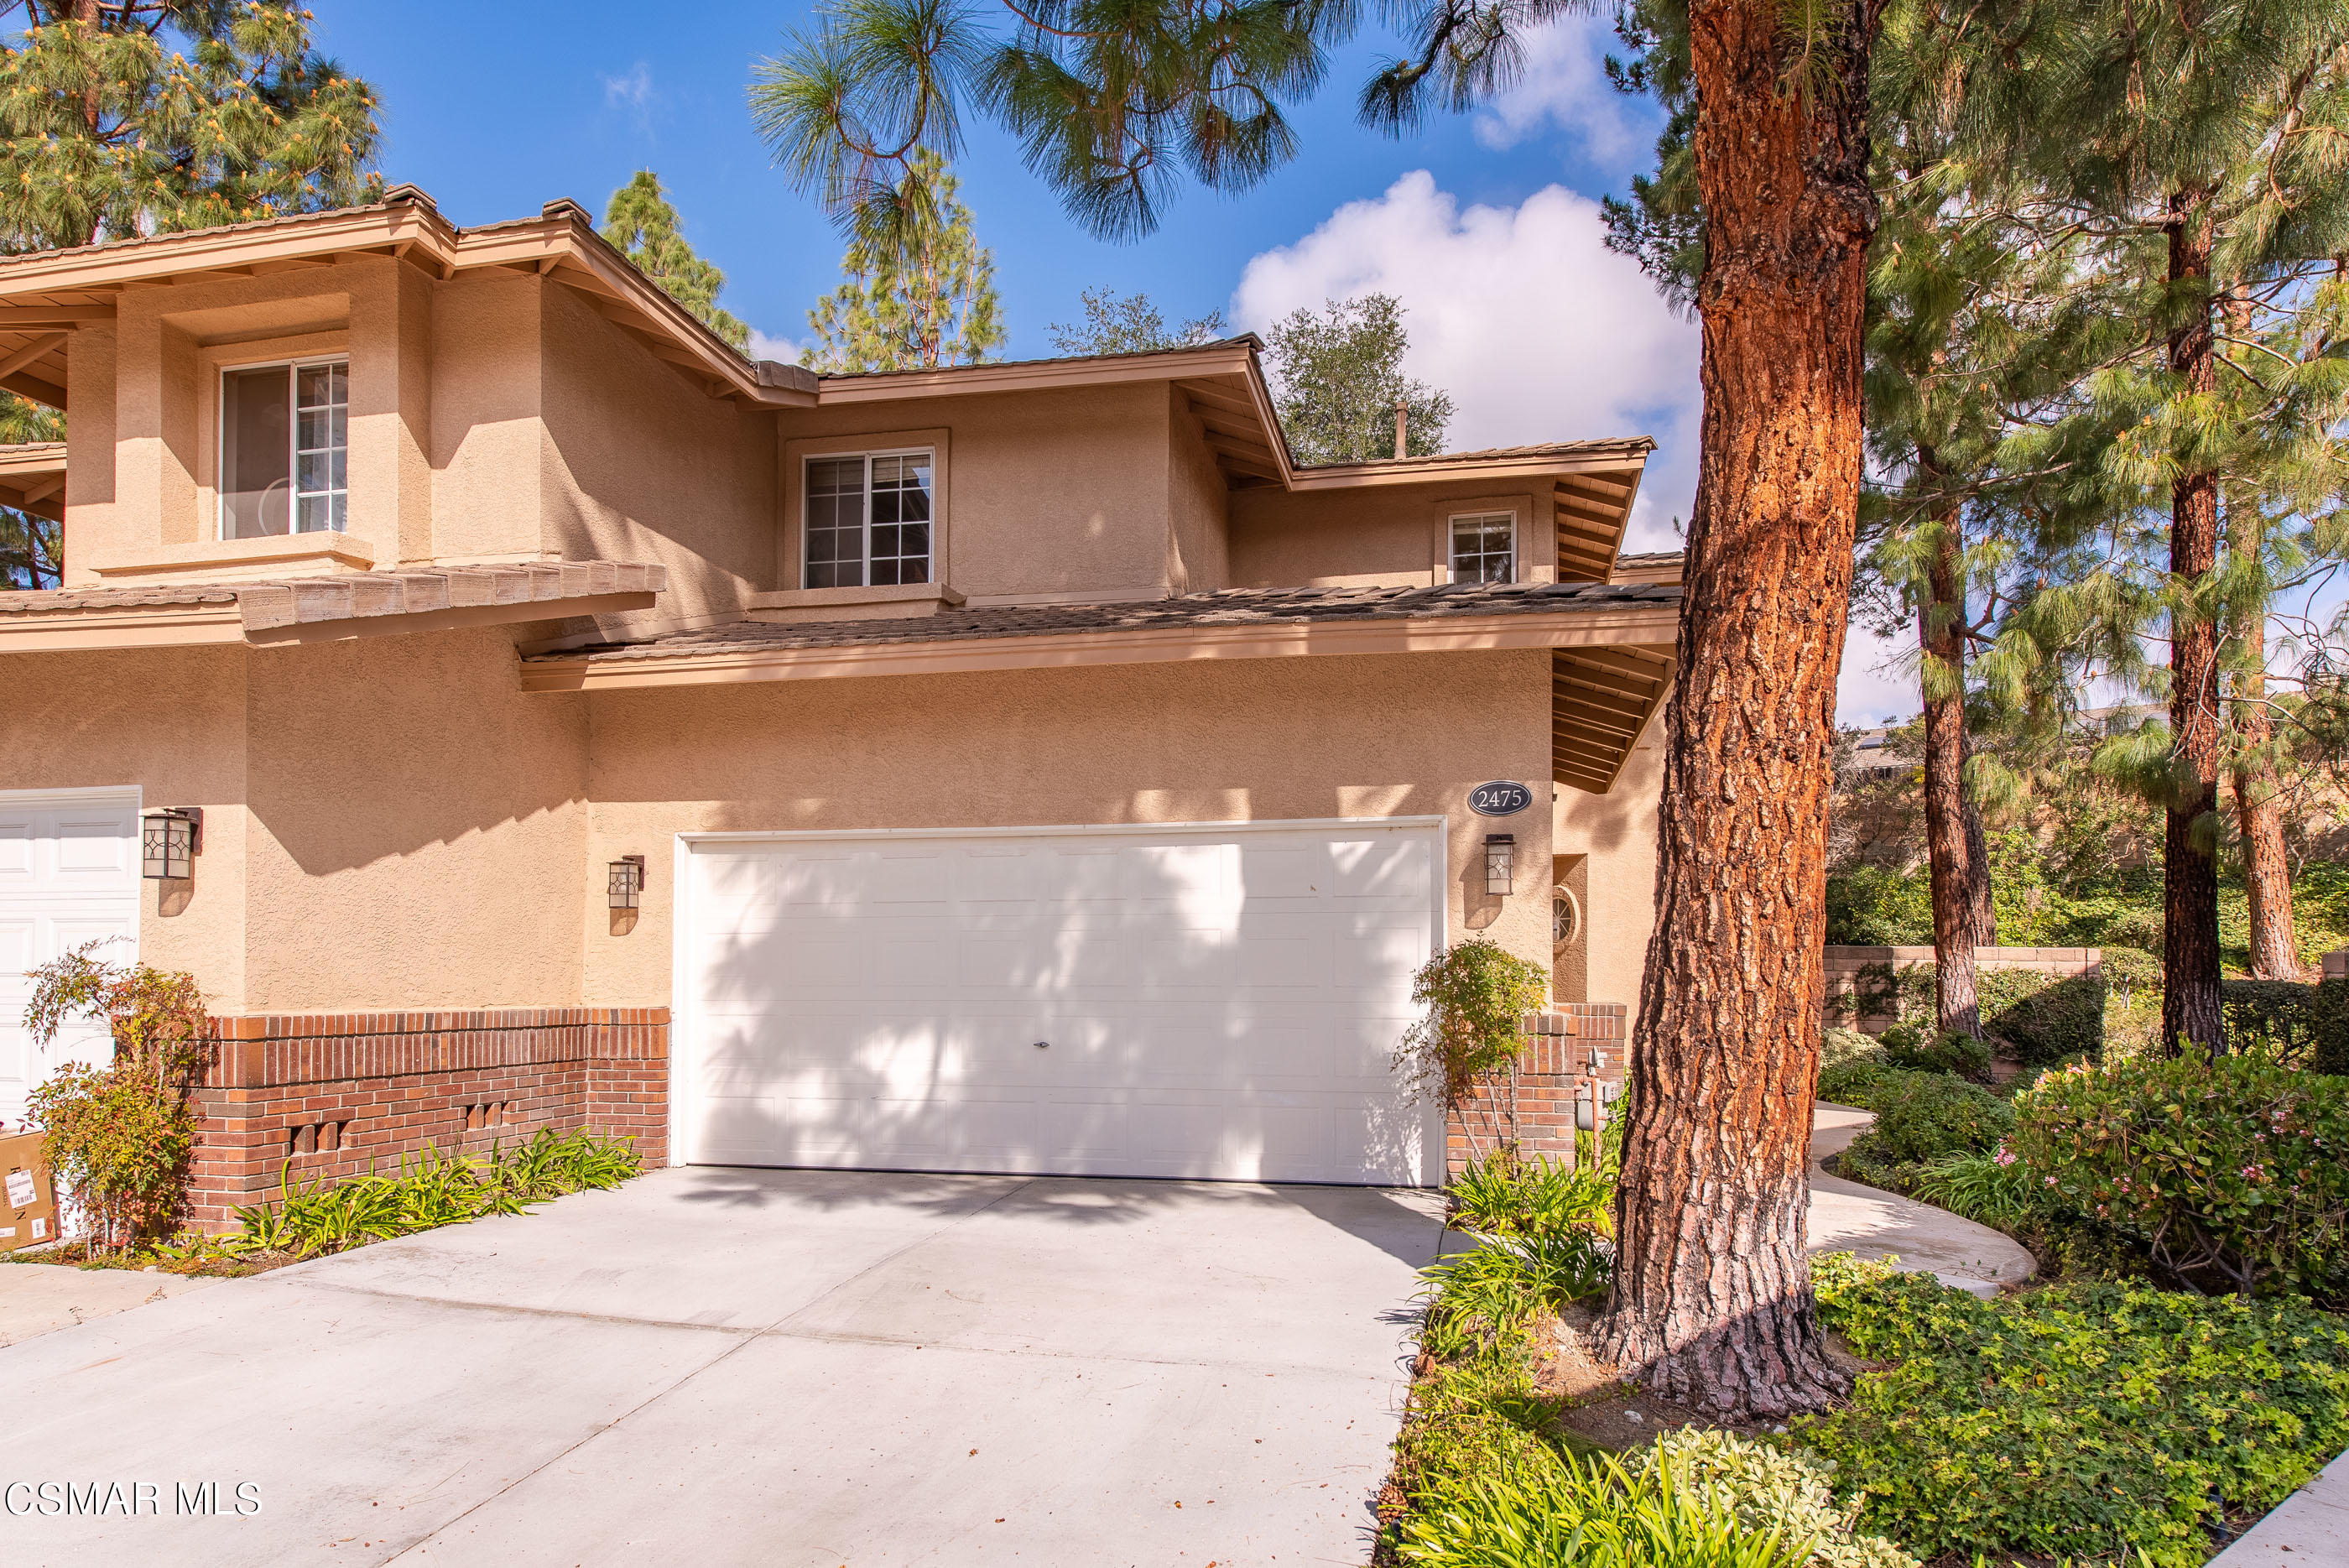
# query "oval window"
(1565, 917)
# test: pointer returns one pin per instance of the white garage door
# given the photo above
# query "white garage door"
(1216, 1001)
(68, 873)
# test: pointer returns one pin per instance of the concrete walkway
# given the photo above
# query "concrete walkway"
(789, 1368)
(2310, 1528)
(1846, 1217)
(36, 1298)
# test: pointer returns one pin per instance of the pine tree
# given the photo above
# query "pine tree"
(643, 226)
(1337, 380)
(1118, 323)
(120, 117)
(2208, 149)
(911, 298)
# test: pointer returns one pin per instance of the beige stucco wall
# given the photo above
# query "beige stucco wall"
(1391, 535)
(1616, 834)
(1051, 494)
(389, 823)
(419, 827)
(1197, 503)
(487, 437)
(639, 464)
(1256, 740)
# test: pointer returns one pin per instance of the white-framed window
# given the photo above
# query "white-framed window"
(284, 448)
(867, 519)
(1484, 548)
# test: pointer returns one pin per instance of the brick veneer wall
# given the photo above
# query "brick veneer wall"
(1549, 1071)
(337, 1093)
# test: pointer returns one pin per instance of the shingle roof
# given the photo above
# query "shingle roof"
(1225, 606)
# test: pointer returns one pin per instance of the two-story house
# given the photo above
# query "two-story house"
(516, 709)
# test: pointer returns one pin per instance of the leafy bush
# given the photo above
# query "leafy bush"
(120, 1134)
(1990, 1186)
(1921, 1117)
(2078, 1419)
(2234, 1167)
(1935, 1051)
(1691, 1500)
(2043, 1020)
(2306, 1025)
(1856, 1083)
(1476, 993)
(430, 1190)
(1870, 906)
(1503, 1195)
(1841, 1048)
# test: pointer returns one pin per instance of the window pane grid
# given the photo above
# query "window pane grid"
(1483, 549)
(868, 521)
(285, 449)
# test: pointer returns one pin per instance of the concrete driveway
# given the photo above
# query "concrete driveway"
(770, 1368)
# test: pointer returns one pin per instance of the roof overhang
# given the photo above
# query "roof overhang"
(1636, 624)
(33, 479)
(328, 609)
(1602, 702)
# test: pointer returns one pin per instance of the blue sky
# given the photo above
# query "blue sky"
(1485, 226)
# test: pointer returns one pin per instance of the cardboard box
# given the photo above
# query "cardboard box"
(28, 1206)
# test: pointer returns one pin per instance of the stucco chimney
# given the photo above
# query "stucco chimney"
(1402, 446)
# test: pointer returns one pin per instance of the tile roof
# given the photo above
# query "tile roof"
(277, 603)
(1651, 560)
(1225, 606)
(1626, 445)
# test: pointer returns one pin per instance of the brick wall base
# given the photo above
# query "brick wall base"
(1549, 1072)
(337, 1094)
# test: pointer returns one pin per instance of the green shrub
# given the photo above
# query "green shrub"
(1857, 1083)
(1869, 907)
(1476, 993)
(1921, 1117)
(430, 1190)
(1937, 1051)
(2078, 1419)
(2305, 1025)
(1493, 1293)
(119, 1136)
(2042, 1020)
(1841, 1048)
(1502, 1195)
(2233, 1167)
(1692, 1499)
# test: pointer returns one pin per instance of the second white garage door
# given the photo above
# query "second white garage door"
(1215, 1001)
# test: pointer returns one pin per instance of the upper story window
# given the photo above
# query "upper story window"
(284, 448)
(868, 520)
(1484, 548)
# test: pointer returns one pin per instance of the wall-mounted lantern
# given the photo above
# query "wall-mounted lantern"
(626, 883)
(168, 839)
(1500, 863)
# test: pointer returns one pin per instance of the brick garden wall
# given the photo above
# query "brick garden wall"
(335, 1093)
(1543, 1088)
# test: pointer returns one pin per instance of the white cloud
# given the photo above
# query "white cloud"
(1536, 329)
(1564, 84)
(633, 90)
(782, 349)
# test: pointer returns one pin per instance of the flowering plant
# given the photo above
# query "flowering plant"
(2234, 1168)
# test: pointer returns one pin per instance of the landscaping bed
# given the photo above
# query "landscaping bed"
(2098, 1419)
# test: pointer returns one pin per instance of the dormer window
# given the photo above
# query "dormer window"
(1484, 548)
(284, 448)
(868, 520)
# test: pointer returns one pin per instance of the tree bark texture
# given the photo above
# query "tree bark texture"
(1941, 637)
(1712, 1303)
(2191, 1013)
(1984, 909)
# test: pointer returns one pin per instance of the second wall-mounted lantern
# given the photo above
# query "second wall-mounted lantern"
(624, 885)
(1500, 863)
(168, 839)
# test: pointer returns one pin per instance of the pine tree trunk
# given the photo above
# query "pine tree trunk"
(2191, 1013)
(1711, 1301)
(1985, 909)
(2267, 875)
(1941, 637)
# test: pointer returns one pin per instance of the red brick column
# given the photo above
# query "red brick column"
(1548, 1072)
(312, 1096)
